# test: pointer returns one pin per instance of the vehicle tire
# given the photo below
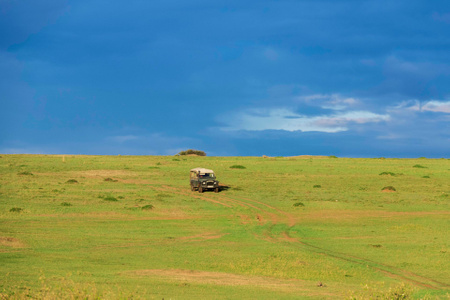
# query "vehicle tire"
(216, 190)
(192, 187)
(200, 189)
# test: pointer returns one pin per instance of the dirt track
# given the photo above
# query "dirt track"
(228, 279)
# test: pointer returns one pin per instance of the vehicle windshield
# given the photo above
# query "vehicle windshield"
(207, 175)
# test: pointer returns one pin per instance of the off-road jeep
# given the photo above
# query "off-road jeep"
(203, 179)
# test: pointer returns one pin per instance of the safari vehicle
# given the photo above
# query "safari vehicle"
(203, 179)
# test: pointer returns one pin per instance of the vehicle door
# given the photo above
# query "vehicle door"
(194, 179)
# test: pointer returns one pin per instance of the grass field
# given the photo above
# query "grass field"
(281, 228)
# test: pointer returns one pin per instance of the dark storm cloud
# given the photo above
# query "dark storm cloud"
(179, 70)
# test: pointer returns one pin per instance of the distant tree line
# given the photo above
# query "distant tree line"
(191, 151)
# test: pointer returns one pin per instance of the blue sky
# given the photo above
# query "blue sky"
(278, 78)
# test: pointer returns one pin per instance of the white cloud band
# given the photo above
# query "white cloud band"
(286, 119)
(432, 106)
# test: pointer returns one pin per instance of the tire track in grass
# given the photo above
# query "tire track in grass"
(290, 217)
(389, 270)
(278, 216)
(272, 216)
(166, 188)
(384, 268)
(260, 214)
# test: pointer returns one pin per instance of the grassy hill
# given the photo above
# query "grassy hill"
(281, 228)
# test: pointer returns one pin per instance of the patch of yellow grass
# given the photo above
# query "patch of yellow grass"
(11, 242)
(229, 279)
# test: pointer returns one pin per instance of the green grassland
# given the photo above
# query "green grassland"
(281, 228)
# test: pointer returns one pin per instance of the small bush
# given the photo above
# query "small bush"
(147, 207)
(317, 186)
(192, 152)
(387, 173)
(66, 204)
(332, 156)
(419, 166)
(298, 204)
(16, 209)
(110, 179)
(389, 188)
(25, 173)
(71, 181)
(426, 176)
(110, 198)
(175, 159)
(237, 167)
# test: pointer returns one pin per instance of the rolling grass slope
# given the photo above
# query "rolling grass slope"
(281, 228)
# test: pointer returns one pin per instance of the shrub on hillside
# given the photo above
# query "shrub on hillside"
(192, 152)
(110, 179)
(147, 207)
(238, 167)
(389, 188)
(110, 198)
(419, 166)
(387, 173)
(25, 173)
